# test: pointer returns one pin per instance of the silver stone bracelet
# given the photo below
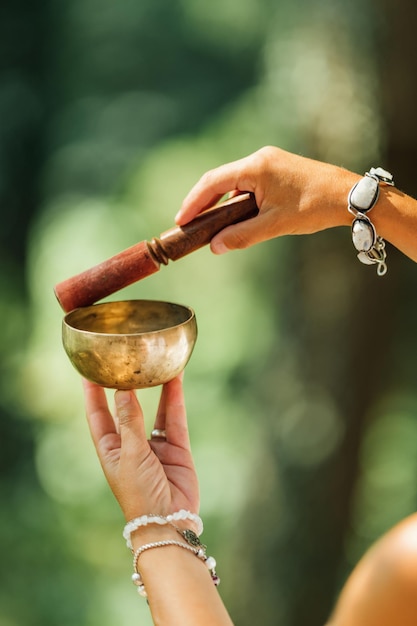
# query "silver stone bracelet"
(362, 198)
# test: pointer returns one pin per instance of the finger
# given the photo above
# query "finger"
(233, 194)
(160, 420)
(102, 428)
(99, 418)
(161, 413)
(212, 186)
(173, 415)
(131, 423)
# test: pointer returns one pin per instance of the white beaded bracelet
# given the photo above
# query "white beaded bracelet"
(144, 520)
(193, 545)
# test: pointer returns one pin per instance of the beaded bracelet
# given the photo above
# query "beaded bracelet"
(362, 198)
(144, 520)
(193, 545)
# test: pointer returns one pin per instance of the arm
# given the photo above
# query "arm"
(156, 477)
(296, 196)
(381, 590)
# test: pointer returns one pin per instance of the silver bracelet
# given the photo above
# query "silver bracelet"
(193, 545)
(362, 198)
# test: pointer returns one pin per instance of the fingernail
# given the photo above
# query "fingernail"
(178, 215)
(122, 398)
(218, 247)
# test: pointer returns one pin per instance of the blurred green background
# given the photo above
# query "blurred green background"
(301, 390)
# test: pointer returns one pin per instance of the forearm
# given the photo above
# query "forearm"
(395, 219)
(179, 586)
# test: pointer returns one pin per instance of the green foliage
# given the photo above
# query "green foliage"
(132, 102)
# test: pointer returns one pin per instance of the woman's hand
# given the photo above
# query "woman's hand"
(155, 476)
(295, 196)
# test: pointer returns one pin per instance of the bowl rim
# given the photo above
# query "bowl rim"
(67, 325)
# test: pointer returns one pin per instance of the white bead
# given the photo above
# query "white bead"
(136, 579)
(210, 562)
(169, 518)
(142, 591)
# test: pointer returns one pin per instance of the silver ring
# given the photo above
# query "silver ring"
(158, 433)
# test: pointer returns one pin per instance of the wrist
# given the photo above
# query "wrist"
(324, 197)
(186, 541)
(334, 209)
(152, 533)
(181, 520)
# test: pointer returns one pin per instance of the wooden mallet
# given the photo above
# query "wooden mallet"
(145, 258)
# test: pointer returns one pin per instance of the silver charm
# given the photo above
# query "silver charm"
(364, 258)
(191, 538)
(377, 255)
(383, 175)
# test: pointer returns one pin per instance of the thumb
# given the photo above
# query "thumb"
(130, 418)
(238, 236)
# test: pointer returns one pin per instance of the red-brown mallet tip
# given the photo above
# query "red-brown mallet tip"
(100, 281)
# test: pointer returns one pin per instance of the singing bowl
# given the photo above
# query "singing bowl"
(130, 344)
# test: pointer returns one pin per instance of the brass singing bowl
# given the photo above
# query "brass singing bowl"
(130, 344)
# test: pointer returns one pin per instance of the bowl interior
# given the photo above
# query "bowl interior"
(129, 317)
